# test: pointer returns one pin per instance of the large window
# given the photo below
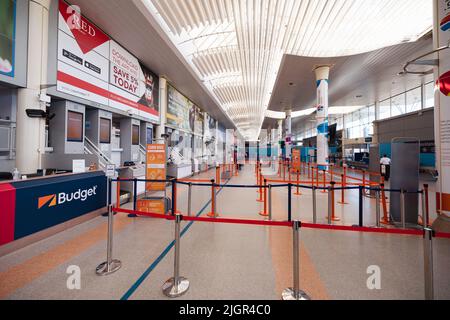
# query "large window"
(398, 105)
(414, 100)
(384, 109)
(429, 95)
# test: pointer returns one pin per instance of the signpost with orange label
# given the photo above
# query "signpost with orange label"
(156, 167)
(155, 170)
(296, 159)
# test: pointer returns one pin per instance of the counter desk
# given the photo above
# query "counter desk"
(35, 208)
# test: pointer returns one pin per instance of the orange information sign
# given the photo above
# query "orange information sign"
(156, 167)
(150, 206)
(296, 159)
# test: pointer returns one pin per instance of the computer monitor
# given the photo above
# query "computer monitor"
(135, 135)
(75, 124)
(105, 130)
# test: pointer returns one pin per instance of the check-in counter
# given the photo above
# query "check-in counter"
(36, 208)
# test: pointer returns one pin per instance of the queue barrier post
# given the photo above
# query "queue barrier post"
(295, 293)
(377, 208)
(133, 215)
(110, 265)
(289, 173)
(118, 192)
(309, 171)
(289, 202)
(342, 201)
(189, 198)
(298, 193)
(333, 213)
(403, 208)
(270, 202)
(324, 180)
(317, 176)
(361, 205)
(428, 263)
(260, 182)
(264, 212)
(314, 202)
(177, 285)
(213, 213)
(385, 219)
(425, 204)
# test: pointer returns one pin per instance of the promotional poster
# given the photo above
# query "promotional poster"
(94, 67)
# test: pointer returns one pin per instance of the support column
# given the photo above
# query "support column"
(322, 74)
(288, 140)
(280, 137)
(30, 132)
(161, 128)
(441, 37)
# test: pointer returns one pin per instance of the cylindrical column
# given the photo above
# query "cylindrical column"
(177, 285)
(288, 138)
(30, 132)
(428, 263)
(160, 129)
(441, 38)
(322, 75)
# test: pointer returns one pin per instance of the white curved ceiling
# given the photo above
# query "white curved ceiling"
(236, 46)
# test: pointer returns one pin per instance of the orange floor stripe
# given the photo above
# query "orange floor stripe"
(20, 275)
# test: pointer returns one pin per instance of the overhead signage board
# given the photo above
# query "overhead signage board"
(94, 67)
(180, 110)
(156, 167)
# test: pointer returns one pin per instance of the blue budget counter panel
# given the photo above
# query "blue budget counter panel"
(426, 159)
(38, 204)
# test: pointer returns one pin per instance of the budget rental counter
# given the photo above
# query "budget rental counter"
(33, 209)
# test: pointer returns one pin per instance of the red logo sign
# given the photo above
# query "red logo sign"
(87, 35)
(444, 83)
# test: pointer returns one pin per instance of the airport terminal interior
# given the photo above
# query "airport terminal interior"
(224, 150)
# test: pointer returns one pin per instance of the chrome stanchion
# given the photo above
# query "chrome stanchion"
(314, 199)
(377, 208)
(428, 263)
(295, 293)
(270, 202)
(189, 198)
(330, 205)
(176, 286)
(402, 208)
(424, 209)
(110, 265)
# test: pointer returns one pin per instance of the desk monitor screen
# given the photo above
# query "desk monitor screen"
(135, 135)
(105, 130)
(75, 124)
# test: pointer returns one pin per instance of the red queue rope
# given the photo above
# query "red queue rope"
(285, 224)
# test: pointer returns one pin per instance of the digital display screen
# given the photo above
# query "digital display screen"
(105, 130)
(135, 135)
(75, 123)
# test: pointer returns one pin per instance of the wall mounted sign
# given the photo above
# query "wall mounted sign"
(94, 67)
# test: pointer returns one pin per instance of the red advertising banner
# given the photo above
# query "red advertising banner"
(94, 67)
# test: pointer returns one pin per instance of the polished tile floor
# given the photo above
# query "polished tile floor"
(227, 261)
